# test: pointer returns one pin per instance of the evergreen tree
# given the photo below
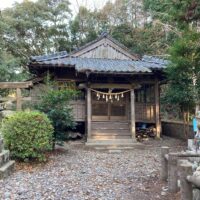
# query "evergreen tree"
(183, 74)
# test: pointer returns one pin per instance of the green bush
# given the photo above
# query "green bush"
(27, 135)
(55, 104)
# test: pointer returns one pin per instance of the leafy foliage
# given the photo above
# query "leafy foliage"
(184, 72)
(36, 28)
(181, 12)
(28, 135)
(182, 18)
(127, 22)
(55, 103)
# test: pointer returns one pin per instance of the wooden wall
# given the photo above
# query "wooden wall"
(145, 112)
(79, 110)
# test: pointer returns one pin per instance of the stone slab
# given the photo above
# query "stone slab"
(7, 169)
(4, 157)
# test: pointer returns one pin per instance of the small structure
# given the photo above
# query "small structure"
(6, 165)
(120, 90)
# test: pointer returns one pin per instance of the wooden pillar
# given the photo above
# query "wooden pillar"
(133, 114)
(164, 163)
(18, 99)
(89, 113)
(157, 110)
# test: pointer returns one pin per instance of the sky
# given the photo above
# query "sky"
(74, 4)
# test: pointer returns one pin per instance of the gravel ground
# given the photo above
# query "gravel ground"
(81, 173)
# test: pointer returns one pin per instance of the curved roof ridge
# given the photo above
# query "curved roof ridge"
(52, 56)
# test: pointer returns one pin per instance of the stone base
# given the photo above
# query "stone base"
(122, 144)
(6, 165)
(7, 169)
(4, 157)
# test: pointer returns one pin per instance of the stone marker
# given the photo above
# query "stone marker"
(6, 165)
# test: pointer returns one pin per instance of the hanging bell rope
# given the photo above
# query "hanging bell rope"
(110, 95)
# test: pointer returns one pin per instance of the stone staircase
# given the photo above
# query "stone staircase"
(109, 130)
(112, 135)
(6, 165)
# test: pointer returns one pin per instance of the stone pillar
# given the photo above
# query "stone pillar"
(164, 163)
(6, 165)
(89, 113)
(172, 173)
(186, 187)
(1, 144)
(133, 131)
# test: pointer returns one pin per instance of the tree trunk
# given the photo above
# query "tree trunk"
(184, 123)
(188, 123)
(54, 141)
(196, 109)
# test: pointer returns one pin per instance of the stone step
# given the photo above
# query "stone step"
(4, 157)
(103, 133)
(110, 122)
(114, 143)
(113, 148)
(7, 169)
(111, 131)
(110, 126)
(107, 137)
(108, 145)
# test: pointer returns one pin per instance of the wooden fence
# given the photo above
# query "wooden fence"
(177, 167)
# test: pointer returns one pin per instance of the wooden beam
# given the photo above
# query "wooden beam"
(133, 114)
(105, 85)
(89, 113)
(13, 85)
(135, 85)
(14, 98)
(157, 109)
(18, 99)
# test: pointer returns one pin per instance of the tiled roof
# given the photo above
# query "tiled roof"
(62, 59)
(155, 60)
(99, 65)
(52, 56)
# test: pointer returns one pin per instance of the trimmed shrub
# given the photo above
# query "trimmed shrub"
(28, 135)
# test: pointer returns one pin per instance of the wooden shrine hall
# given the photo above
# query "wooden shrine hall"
(119, 90)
